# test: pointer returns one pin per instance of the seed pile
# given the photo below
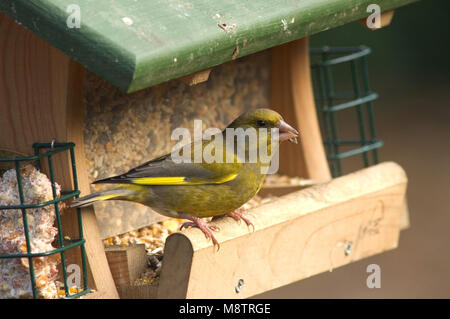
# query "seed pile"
(153, 237)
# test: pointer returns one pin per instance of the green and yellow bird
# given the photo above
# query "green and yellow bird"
(193, 189)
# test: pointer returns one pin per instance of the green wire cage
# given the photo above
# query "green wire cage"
(62, 244)
(330, 70)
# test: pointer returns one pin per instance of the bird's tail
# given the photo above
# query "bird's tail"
(102, 195)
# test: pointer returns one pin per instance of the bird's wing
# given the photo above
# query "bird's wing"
(164, 171)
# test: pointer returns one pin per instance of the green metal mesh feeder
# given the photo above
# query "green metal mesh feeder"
(332, 97)
(34, 257)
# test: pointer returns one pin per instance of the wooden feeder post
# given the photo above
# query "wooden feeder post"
(41, 100)
(292, 95)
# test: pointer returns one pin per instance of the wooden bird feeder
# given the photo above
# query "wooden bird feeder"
(135, 45)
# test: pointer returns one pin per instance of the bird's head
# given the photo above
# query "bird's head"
(268, 119)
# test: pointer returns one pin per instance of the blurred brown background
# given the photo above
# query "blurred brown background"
(409, 68)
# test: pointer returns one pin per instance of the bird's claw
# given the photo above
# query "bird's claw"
(187, 224)
(238, 215)
(214, 227)
(192, 224)
(206, 228)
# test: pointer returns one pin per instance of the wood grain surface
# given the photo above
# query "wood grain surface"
(292, 95)
(41, 100)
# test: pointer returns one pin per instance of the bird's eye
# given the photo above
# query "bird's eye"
(261, 123)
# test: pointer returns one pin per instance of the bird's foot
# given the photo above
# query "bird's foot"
(206, 228)
(238, 215)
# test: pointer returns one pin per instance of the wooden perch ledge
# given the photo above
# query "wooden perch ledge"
(296, 236)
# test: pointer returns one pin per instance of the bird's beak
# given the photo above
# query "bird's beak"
(287, 132)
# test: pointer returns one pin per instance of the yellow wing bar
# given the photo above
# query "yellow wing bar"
(179, 180)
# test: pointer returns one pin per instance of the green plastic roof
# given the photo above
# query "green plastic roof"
(135, 44)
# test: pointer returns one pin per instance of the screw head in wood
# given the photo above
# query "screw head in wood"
(348, 248)
(239, 286)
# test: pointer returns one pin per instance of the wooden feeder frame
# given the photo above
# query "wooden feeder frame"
(298, 235)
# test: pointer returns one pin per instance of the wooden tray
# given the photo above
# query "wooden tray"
(299, 235)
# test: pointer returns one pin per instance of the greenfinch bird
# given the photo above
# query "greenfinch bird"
(191, 189)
